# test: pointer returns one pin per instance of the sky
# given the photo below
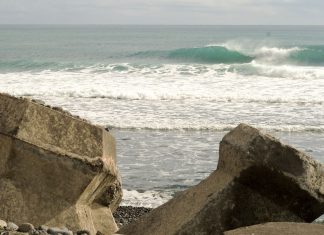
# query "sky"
(165, 12)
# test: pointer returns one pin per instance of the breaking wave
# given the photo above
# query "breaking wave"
(207, 55)
(149, 95)
(224, 54)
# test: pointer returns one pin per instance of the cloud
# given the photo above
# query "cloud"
(162, 11)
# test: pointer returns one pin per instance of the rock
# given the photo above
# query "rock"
(43, 228)
(42, 232)
(26, 228)
(279, 228)
(3, 224)
(11, 226)
(67, 232)
(56, 169)
(84, 232)
(35, 232)
(38, 101)
(15, 233)
(258, 179)
(56, 231)
(39, 232)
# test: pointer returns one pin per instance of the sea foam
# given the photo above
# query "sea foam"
(150, 198)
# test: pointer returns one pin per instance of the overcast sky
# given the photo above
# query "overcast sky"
(162, 12)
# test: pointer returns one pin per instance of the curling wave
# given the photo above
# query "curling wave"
(208, 54)
(224, 54)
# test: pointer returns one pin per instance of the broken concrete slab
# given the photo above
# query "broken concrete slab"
(279, 228)
(56, 169)
(258, 179)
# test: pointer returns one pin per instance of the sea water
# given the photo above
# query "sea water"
(170, 93)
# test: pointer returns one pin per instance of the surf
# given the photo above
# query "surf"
(204, 55)
(228, 54)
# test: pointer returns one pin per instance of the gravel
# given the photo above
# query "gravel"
(127, 214)
(123, 215)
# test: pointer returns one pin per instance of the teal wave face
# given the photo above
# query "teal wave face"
(297, 56)
(211, 54)
(204, 55)
(311, 56)
(307, 56)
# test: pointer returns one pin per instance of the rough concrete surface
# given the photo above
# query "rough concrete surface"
(56, 168)
(283, 228)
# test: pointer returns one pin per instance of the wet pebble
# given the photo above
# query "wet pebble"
(35, 232)
(59, 231)
(7, 228)
(41, 232)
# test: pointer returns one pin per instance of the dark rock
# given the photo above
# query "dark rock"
(38, 101)
(26, 228)
(56, 231)
(67, 232)
(83, 232)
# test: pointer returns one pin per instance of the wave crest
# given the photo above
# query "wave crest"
(229, 54)
(225, 54)
(203, 55)
(212, 54)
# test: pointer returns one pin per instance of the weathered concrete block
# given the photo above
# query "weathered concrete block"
(279, 228)
(56, 169)
(45, 127)
(258, 179)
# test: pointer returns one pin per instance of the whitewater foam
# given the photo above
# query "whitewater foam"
(274, 55)
(150, 198)
(259, 69)
(183, 97)
(214, 83)
(267, 53)
(187, 97)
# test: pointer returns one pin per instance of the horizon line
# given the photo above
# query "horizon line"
(100, 24)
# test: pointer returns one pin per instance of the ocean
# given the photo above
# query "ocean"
(170, 93)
